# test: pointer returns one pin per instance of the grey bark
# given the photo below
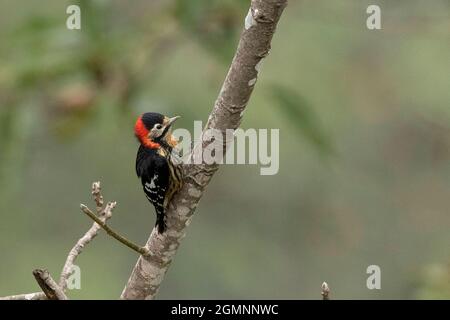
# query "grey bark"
(254, 46)
(50, 288)
(26, 296)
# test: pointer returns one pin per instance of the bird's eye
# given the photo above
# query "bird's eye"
(158, 126)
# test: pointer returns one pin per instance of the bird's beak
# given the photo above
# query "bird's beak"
(172, 120)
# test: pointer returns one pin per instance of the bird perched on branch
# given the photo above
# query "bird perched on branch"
(155, 165)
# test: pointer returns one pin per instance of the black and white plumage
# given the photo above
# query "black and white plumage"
(160, 176)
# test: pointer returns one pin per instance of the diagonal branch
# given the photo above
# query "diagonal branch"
(112, 233)
(50, 288)
(254, 46)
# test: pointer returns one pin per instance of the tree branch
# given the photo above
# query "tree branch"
(26, 296)
(254, 46)
(48, 285)
(104, 215)
(112, 233)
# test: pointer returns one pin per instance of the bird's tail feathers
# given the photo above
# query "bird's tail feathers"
(160, 222)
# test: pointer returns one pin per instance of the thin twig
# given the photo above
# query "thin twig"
(104, 214)
(48, 285)
(142, 250)
(325, 291)
(98, 197)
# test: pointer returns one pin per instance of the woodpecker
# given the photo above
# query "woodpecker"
(155, 165)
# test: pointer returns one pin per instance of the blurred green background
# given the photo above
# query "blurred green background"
(364, 119)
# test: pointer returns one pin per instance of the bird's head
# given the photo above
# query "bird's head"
(153, 130)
